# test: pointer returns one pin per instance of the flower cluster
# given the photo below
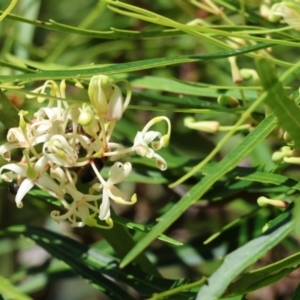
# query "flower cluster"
(64, 146)
(289, 11)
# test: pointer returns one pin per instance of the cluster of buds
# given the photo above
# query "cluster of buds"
(287, 155)
(65, 146)
(212, 126)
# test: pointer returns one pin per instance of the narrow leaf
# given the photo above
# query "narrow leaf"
(9, 291)
(8, 112)
(285, 109)
(131, 66)
(92, 263)
(229, 162)
(73, 254)
(264, 276)
(243, 257)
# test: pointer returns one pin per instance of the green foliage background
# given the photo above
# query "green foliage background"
(196, 231)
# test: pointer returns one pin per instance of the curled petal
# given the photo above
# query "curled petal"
(160, 162)
(16, 168)
(93, 223)
(104, 207)
(5, 150)
(116, 195)
(7, 176)
(151, 136)
(55, 214)
(15, 135)
(24, 188)
(118, 172)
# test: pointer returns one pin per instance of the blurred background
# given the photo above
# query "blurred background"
(155, 90)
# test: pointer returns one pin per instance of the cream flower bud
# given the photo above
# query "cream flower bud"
(87, 121)
(285, 152)
(97, 93)
(206, 126)
(264, 201)
(287, 137)
(248, 74)
(228, 101)
(115, 105)
(277, 157)
(292, 160)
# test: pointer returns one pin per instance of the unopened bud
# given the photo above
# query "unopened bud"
(287, 137)
(264, 201)
(228, 101)
(206, 126)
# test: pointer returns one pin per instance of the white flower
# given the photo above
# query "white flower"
(58, 151)
(39, 179)
(118, 172)
(81, 211)
(289, 11)
(145, 137)
(60, 138)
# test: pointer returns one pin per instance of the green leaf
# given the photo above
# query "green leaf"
(124, 243)
(129, 67)
(44, 196)
(284, 108)
(181, 87)
(238, 260)
(235, 222)
(114, 33)
(250, 174)
(231, 160)
(8, 112)
(264, 276)
(144, 229)
(9, 291)
(72, 253)
(92, 264)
